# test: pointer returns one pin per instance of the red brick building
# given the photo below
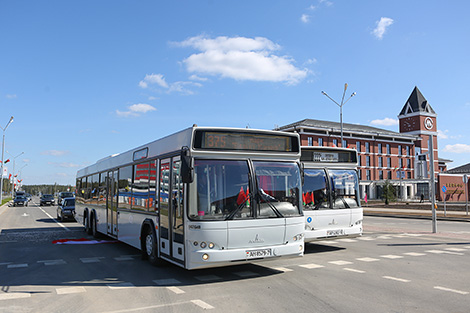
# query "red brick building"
(399, 157)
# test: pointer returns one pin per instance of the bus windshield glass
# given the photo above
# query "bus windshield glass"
(344, 185)
(222, 190)
(315, 196)
(278, 189)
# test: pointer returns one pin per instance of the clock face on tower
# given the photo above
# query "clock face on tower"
(409, 124)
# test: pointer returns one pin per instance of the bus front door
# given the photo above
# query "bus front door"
(111, 203)
(171, 210)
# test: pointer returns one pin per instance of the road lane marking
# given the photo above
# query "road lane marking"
(442, 252)
(282, 269)
(124, 258)
(391, 256)
(366, 238)
(65, 291)
(152, 307)
(53, 262)
(60, 224)
(367, 259)
(414, 254)
(17, 265)
(347, 240)
(452, 290)
(202, 304)
(397, 279)
(175, 290)
(456, 249)
(208, 278)
(120, 286)
(5, 263)
(353, 270)
(340, 262)
(311, 266)
(91, 260)
(14, 295)
(166, 282)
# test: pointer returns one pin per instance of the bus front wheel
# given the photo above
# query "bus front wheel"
(149, 247)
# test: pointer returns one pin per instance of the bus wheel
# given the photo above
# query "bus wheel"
(149, 247)
(87, 225)
(94, 231)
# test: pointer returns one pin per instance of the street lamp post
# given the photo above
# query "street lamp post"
(3, 149)
(341, 107)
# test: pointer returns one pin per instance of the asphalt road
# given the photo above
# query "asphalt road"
(397, 266)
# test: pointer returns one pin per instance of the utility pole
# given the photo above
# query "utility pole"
(431, 181)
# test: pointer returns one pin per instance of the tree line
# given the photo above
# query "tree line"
(39, 189)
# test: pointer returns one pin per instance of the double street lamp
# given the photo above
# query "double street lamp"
(341, 107)
(3, 149)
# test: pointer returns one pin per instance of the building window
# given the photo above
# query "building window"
(400, 163)
(381, 162)
(359, 174)
(359, 160)
(367, 160)
(379, 148)
(389, 175)
(358, 146)
(367, 147)
(407, 150)
(388, 148)
(335, 142)
(367, 174)
(389, 162)
(310, 141)
(381, 174)
(320, 142)
(345, 143)
(399, 150)
(408, 163)
(408, 175)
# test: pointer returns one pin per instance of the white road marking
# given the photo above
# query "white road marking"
(353, 270)
(91, 260)
(391, 256)
(165, 282)
(202, 304)
(120, 286)
(60, 224)
(397, 279)
(53, 262)
(384, 237)
(282, 269)
(246, 274)
(442, 252)
(5, 263)
(208, 278)
(451, 290)
(14, 295)
(366, 238)
(17, 265)
(175, 290)
(414, 254)
(340, 262)
(151, 307)
(347, 240)
(124, 258)
(311, 266)
(456, 249)
(65, 291)
(367, 259)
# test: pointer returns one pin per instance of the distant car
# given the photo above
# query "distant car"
(46, 200)
(63, 195)
(66, 209)
(20, 200)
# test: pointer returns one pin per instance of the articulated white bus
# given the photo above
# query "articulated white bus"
(330, 193)
(199, 198)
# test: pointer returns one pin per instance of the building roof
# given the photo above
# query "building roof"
(351, 128)
(416, 103)
(464, 169)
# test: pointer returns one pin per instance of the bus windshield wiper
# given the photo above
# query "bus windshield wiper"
(240, 207)
(266, 199)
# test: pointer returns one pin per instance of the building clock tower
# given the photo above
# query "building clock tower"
(418, 118)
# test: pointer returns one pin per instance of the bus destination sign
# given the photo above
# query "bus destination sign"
(325, 157)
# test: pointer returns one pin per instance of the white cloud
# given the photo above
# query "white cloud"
(442, 134)
(241, 58)
(382, 26)
(55, 152)
(136, 110)
(385, 122)
(153, 79)
(65, 164)
(305, 18)
(195, 77)
(457, 148)
(10, 96)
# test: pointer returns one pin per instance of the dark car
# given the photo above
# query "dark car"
(63, 195)
(46, 200)
(20, 200)
(66, 209)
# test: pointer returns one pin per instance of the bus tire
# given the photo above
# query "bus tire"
(94, 230)
(87, 223)
(149, 246)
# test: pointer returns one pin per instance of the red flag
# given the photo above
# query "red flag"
(303, 198)
(9, 177)
(241, 196)
(7, 161)
(309, 197)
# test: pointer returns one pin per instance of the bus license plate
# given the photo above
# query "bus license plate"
(261, 253)
(336, 232)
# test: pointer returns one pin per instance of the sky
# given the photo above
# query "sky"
(88, 79)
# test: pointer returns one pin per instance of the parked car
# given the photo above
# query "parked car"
(66, 209)
(63, 195)
(46, 200)
(20, 200)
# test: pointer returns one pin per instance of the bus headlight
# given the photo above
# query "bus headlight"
(211, 245)
(203, 244)
(205, 257)
(298, 237)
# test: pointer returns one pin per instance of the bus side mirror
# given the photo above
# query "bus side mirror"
(187, 169)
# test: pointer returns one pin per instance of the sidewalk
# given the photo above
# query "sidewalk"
(450, 215)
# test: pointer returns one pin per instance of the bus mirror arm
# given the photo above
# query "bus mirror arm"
(187, 170)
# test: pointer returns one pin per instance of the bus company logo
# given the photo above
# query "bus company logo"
(257, 239)
(333, 222)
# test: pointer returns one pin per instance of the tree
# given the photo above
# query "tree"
(388, 192)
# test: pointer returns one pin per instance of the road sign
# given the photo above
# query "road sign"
(444, 189)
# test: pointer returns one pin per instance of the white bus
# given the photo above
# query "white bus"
(199, 198)
(330, 193)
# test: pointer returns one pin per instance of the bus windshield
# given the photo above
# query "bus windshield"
(315, 196)
(222, 190)
(344, 185)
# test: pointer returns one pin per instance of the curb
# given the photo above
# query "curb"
(416, 216)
